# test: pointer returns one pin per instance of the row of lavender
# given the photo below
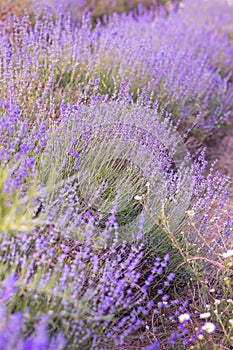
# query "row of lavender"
(186, 69)
(101, 203)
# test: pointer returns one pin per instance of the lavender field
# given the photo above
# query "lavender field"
(116, 225)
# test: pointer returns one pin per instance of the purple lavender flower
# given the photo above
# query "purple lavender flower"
(8, 288)
(11, 334)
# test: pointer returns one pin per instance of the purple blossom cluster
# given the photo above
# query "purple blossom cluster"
(100, 201)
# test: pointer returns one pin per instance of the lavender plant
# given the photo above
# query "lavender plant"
(21, 143)
(165, 66)
(91, 292)
(61, 62)
(204, 26)
(123, 167)
(110, 152)
(12, 329)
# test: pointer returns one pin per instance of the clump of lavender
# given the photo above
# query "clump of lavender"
(20, 145)
(216, 14)
(166, 65)
(110, 154)
(96, 297)
(15, 330)
(116, 164)
(13, 327)
(204, 26)
(70, 63)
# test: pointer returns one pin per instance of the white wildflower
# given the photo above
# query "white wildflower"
(184, 317)
(208, 327)
(138, 198)
(228, 254)
(205, 315)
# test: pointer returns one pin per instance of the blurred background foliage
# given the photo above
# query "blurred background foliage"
(98, 8)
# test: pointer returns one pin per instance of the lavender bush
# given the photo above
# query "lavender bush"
(89, 297)
(12, 329)
(63, 62)
(209, 27)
